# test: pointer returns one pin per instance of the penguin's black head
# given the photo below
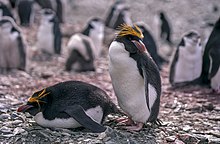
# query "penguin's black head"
(36, 103)
(162, 15)
(132, 34)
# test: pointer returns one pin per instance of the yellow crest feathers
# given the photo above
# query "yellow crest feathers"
(36, 99)
(125, 29)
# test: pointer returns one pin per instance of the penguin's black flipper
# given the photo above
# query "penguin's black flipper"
(215, 62)
(78, 113)
(146, 86)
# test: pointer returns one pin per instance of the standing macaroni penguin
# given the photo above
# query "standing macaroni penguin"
(70, 104)
(12, 46)
(186, 65)
(49, 36)
(135, 77)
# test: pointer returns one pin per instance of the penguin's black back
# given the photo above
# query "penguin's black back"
(75, 92)
(57, 35)
(6, 11)
(213, 41)
(24, 11)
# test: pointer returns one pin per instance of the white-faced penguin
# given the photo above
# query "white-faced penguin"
(165, 29)
(12, 46)
(135, 77)
(186, 64)
(95, 30)
(25, 12)
(70, 104)
(5, 11)
(49, 37)
(55, 5)
(118, 15)
(149, 41)
(211, 59)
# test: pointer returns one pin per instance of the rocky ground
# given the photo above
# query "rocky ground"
(189, 115)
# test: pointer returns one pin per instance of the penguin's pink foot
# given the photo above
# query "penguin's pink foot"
(125, 120)
(135, 127)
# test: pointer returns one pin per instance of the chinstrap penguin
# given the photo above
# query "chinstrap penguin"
(85, 47)
(186, 64)
(149, 41)
(118, 15)
(5, 11)
(12, 46)
(49, 37)
(70, 104)
(25, 12)
(135, 77)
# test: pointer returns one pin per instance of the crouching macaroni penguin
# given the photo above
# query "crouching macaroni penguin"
(70, 104)
(186, 65)
(12, 46)
(135, 77)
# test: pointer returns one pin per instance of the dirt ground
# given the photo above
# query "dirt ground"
(190, 115)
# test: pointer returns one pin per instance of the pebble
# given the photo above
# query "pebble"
(3, 117)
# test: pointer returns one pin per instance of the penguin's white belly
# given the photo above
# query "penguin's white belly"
(188, 67)
(95, 113)
(128, 84)
(45, 38)
(215, 81)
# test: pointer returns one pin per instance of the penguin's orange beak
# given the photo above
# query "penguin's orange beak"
(140, 45)
(24, 108)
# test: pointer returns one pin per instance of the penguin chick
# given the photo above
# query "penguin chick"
(165, 29)
(70, 104)
(25, 12)
(186, 64)
(49, 36)
(118, 15)
(81, 53)
(85, 47)
(135, 77)
(151, 44)
(12, 46)
(95, 30)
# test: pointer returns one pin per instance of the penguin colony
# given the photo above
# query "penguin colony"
(134, 64)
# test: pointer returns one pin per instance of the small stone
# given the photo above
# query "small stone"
(18, 130)
(4, 117)
(171, 138)
(6, 130)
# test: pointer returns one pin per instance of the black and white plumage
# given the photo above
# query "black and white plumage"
(56, 5)
(149, 41)
(135, 77)
(12, 46)
(211, 59)
(118, 15)
(186, 64)
(85, 47)
(49, 37)
(165, 28)
(25, 12)
(5, 11)
(70, 104)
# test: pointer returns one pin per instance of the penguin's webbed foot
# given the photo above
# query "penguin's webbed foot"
(125, 121)
(135, 127)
